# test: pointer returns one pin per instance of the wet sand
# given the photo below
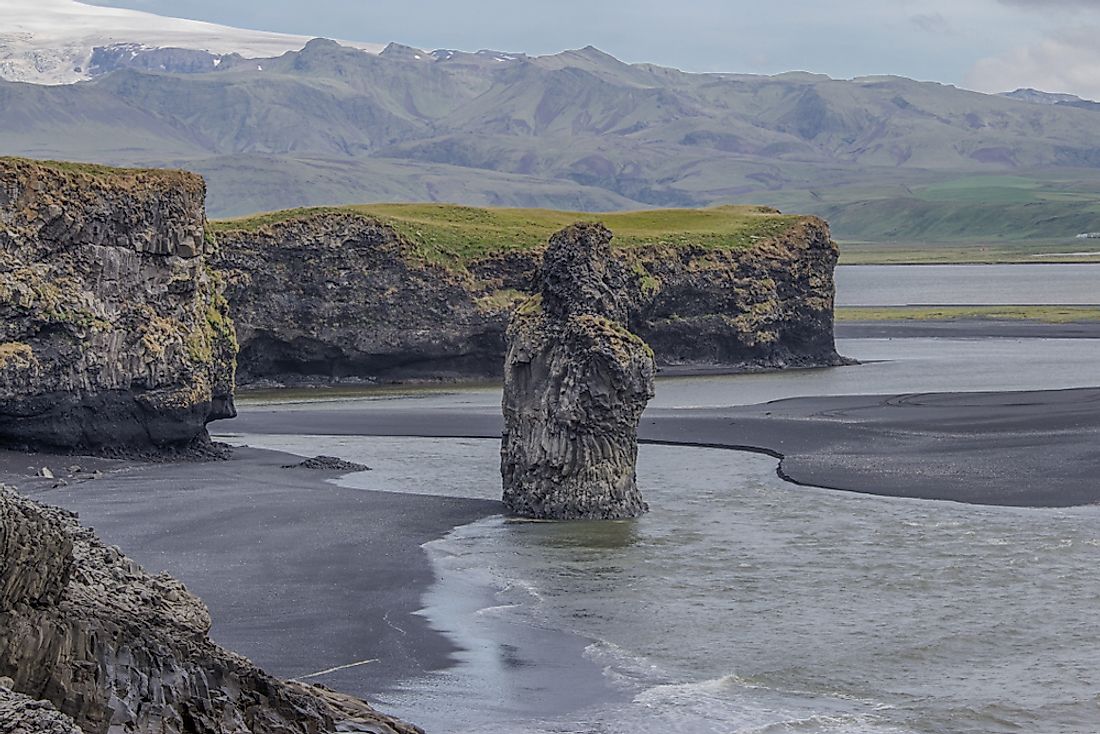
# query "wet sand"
(300, 575)
(1036, 449)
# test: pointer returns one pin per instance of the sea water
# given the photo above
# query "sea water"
(741, 603)
(940, 285)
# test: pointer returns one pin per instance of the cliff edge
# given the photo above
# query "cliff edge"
(113, 332)
(397, 292)
(575, 384)
(84, 630)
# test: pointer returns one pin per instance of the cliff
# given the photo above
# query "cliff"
(112, 328)
(421, 291)
(114, 649)
(575, 384)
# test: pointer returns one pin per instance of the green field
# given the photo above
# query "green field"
(970, 219)
(455, 235)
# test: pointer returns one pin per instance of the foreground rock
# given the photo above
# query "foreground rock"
(113, 332)
(335, 295)
(22, 715)
(115, 649)
(575, 384)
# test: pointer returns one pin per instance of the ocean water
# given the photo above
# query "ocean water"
(741, 603)
(887, 366)
(902, 285)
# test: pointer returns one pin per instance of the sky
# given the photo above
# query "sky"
(987, 45)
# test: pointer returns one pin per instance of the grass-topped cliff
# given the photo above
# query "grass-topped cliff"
(113, 333)
(397, 291)
(454, 236)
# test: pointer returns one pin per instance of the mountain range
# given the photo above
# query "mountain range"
(884, 158)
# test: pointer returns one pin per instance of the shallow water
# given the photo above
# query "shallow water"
(940, 285)
(745, 604)
(741, 603)
(888, 366)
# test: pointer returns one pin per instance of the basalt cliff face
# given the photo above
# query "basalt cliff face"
(575, 384)
(88, 639)
(338, 295)
(112, 328)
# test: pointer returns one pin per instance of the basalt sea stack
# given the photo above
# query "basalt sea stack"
(576, 381)
(112, 329)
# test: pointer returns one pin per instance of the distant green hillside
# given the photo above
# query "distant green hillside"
(458, 234)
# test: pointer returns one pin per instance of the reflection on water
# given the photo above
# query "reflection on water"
(615, 534)
(741, 603)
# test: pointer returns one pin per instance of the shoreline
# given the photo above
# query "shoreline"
(298, 586)
(1022, 449)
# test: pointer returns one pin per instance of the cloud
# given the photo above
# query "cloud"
(932, 23)
(1068, 61)
(1044, 5)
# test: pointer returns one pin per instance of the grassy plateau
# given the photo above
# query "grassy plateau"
(454, 235)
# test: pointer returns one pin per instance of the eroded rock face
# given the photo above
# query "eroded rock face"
(114, 649)
(576, 381)
(342, 296)
(113, 331)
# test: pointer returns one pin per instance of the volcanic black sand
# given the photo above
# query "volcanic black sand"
(1037, 449)
(300, 575)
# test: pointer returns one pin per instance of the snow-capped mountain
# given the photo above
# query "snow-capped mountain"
(64, 41)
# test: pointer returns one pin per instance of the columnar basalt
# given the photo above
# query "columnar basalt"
(576, 381)
(113, 331)
(87, 636)
(331, 295)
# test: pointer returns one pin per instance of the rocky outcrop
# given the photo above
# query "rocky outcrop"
(85, 629)
(22, 715)
(576, 381)
(112, 328)
(337, 295)
(340, 295)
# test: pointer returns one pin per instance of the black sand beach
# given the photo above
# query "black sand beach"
(1031, 449)
(300, 575)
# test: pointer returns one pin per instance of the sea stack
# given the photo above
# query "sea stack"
(576, 381)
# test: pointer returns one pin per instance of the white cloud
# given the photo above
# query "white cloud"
(1068, 61)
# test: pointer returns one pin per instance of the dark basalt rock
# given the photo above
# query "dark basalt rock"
(89, 639)
(575, 384)
(336, 296)
(113, 331)
(328, 463)
(22, 715)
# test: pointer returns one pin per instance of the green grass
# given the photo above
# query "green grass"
(455, 235)
(983, 190)
(1045, 314)
(90, 169)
